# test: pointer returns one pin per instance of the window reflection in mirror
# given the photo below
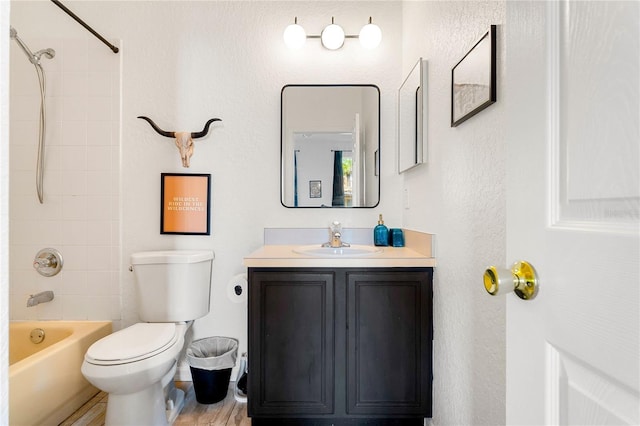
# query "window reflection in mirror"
(330, 139)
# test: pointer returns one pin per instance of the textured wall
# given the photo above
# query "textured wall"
(184, 62)
(460, 196)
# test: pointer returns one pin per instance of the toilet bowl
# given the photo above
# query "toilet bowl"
(130, 365)
(136, 364)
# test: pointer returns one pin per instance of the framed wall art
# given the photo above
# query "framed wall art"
(185, 206)
(473, 79)
(315, 189)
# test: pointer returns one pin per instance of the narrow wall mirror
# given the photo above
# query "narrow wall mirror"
(330, 146)
(412, 118)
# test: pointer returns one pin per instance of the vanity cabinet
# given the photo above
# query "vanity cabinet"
(340, 346)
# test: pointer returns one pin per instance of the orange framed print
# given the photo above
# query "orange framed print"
(184, 204)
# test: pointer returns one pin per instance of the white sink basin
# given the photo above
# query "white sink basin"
(353, 251)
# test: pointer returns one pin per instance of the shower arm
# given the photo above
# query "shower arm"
(84, 24)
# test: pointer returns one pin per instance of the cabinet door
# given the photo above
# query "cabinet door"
(389, 343)
(291, 320)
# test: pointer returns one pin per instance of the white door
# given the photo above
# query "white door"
(573, 71)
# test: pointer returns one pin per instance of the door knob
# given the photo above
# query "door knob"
(521, 279)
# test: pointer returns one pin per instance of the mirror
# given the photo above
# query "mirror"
(412, 118)
(330, 146)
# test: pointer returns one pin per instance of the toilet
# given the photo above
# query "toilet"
(136, 365)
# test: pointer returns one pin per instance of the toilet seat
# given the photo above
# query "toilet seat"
(134, 343)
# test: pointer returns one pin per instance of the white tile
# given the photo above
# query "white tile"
(99, 83)
(99, 207)
(99, 233)
(74, 232)
(52, 158)
(22, 182)
(99, 182)
(23, 157)
(104, 59)
(75, 308)
(49, 311)
(74, 183)
(99, 283)
(74, 108)
(23, 133)
(99, 133)
(54, 82)
(74, 207)
(74, 133)
(44, 233)
(100, 258)
(98, 157)
(76, 56)
(75, 83)
(27, 208)
(74, 158)
(74, 282)
(25, 107)
(75, 258)
(99, 108)
(100, 308)
(52, 183)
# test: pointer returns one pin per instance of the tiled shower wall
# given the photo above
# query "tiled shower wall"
(81, 209)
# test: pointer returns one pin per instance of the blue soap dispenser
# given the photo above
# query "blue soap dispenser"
(381, 233)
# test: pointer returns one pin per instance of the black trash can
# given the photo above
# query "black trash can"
(211, 360)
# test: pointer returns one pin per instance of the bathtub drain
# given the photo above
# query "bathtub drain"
(37, 335)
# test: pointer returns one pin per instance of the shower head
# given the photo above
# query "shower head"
(34, 58)
(48, 53)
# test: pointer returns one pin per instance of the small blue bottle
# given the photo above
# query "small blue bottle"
(380, 233)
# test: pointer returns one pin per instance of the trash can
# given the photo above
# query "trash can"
(211, 360)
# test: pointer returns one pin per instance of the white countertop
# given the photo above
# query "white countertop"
(284, 256)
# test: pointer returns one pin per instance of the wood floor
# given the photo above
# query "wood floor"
(227, 412)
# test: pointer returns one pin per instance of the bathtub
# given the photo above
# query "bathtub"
(45, 382)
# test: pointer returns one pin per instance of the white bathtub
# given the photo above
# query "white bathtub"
(45, 382)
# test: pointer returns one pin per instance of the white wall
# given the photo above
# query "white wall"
(460, 196)
(185, 62)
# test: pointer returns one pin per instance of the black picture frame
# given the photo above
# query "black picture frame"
(185, 204)
(473, 79)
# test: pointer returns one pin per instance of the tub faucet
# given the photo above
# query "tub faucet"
(36, 299)
(335, 235)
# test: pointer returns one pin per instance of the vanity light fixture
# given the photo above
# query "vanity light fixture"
(332, 36)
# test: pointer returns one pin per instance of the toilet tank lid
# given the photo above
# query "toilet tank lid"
(171, 256)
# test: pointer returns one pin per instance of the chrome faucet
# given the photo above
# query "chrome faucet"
(36, 299)
(335, 236)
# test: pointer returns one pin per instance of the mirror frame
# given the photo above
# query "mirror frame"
(377, 154)
(414, 139)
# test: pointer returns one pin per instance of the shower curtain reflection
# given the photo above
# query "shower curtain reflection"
(338, 180)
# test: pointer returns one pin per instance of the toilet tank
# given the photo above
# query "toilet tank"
(172, 285)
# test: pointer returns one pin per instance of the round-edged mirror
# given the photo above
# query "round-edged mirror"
(330, 146)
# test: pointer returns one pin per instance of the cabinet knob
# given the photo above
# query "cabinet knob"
(521, 279)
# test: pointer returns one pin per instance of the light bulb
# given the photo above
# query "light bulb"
(294, 36)
(370, 36)
(332, 36)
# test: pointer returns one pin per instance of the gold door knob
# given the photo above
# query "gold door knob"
(521, 279)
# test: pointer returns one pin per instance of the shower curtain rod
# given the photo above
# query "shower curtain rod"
(81, 22)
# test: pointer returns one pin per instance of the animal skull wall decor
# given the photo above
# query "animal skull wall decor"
(184, 140)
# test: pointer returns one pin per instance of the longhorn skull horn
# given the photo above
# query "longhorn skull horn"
(196, 135)
(158, 129)
(184, 140)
